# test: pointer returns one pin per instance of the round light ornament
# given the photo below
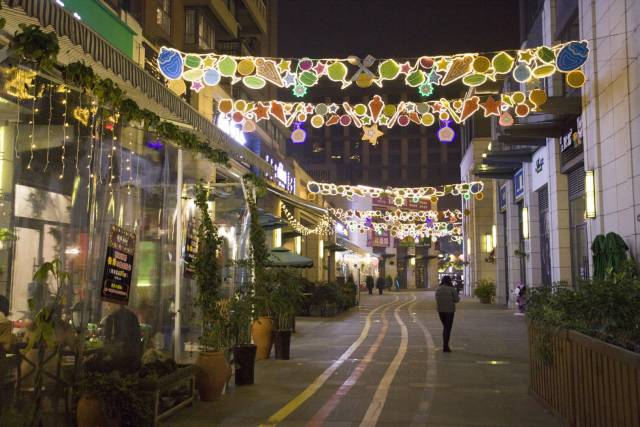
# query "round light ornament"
(575, 78)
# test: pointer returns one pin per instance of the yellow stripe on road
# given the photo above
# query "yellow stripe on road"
(312, 388)
(375, 408)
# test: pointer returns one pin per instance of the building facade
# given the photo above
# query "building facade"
(566, 173)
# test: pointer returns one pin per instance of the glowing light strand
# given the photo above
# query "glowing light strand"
(324, 227)
(472, 69)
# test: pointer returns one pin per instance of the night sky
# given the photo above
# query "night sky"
(395, 28)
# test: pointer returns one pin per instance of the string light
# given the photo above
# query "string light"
(472, 69)
(397, 215)
(324, 226)
(398, 194)
(33, 132)
(46, 165)
(65, 124)
(377, 113)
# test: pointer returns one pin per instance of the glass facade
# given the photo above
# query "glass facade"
(69, 171)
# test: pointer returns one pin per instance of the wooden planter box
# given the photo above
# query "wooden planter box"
(170, 393)
(586, 381)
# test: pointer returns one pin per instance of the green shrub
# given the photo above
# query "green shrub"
(605, 309)
(485, 290)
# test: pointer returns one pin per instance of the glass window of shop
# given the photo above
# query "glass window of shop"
(70, 170)
(578, 227)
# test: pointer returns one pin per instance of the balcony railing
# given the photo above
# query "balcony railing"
(233, 47)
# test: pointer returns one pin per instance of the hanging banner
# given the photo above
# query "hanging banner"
(190, 250)
(118, 267)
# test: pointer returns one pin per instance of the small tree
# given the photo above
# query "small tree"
(208, 277)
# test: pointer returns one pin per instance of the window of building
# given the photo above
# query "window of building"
(199, 30)
(578, 227)
(163, 15)
(545, 246)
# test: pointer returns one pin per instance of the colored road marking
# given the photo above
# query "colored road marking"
(312, 388)
(326, 410)
(432, 372)
(379, 398)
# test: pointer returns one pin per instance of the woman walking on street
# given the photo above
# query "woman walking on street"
(446, 299)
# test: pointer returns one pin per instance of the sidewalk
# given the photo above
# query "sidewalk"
(483, 382)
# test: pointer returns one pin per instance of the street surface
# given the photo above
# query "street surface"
(381, 364)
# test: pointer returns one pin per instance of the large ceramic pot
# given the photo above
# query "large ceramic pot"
(89, 413)
(244, 359)
(213, 372)
(261, 330)
(282, 343)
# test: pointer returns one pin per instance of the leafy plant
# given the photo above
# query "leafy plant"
(485, 290)
(208, 275)
(605, 309)
(286, 297)
(120, 397)
(32, 44)
(79, 74)
(240, 316)
(259, 254)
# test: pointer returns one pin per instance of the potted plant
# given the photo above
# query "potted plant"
(287, 296)
(485, 290)
(110, 400)
(213, 370)
(244, 352)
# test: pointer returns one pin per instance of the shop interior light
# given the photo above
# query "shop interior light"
(590, 195)
(468, 246)
(488, 243)
(494, 235)
(298, 244)
(321, 248)
(525, 222)
(277, 238)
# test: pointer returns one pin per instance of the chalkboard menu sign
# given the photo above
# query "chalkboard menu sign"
(118, 267)
(190, 250)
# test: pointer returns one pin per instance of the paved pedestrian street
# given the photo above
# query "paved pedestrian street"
(382, 364)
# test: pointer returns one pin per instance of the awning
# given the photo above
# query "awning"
(79, 42)
(269, 221)
(297, 201)
(283, 257)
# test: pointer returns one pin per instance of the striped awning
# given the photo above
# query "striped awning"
(143, 88)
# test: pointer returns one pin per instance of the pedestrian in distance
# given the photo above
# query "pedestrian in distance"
(446, 299)
(380, 284)
(369, 282)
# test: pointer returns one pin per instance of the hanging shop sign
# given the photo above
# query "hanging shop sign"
(118, 267)
(422, 73)
(502, 198)
(378, 238)
(539, 174)
(518, 184)
(190, 250)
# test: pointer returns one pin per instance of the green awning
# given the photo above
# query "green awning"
(283, 257)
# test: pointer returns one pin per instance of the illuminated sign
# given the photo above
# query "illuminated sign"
(231, 129)
(281, 177)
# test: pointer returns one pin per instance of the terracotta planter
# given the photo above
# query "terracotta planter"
(89, 413)
(213, 372)
(244, 358)
(282, 343)
(261, 331)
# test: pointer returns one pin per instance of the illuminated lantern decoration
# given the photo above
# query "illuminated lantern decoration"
(445, 133)
(298, 136)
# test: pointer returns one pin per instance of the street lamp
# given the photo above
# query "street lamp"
(590, 195)
(488, 243)
(525, 223)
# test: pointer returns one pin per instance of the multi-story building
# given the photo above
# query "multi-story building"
(565, 174)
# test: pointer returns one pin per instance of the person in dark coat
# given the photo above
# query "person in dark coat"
(380, 285)
(369, 281)
(446, 299)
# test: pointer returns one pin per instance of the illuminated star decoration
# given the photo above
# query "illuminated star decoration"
(405, 68)
(261, 111)
(197, 86)
(371, 134)
(442, 64)
(433, 78)
(208, 62)
(525, 56)
(491, 107)
(284, 65)
(289, 79)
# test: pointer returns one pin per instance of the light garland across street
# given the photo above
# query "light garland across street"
(398, 194)
(454, 215)
(422, 73)
(324, 227)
